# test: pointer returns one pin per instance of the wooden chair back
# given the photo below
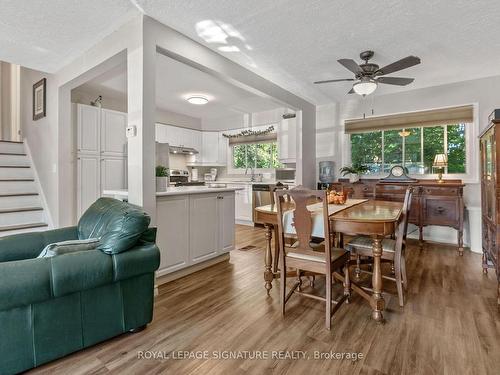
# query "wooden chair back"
(297, 200)
(402, 228)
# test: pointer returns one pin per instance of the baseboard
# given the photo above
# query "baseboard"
(244, 222)
(163, 279)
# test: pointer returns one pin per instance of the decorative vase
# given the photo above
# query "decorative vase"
(353, 177)
(161, 183)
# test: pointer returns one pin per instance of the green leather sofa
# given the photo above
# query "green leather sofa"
(50, 307)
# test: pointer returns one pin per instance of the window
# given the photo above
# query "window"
(413, 148)
(255, 155)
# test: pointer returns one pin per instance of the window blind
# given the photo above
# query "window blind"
(434, 117)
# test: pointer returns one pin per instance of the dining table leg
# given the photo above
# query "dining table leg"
(268, 259)
(378, 302)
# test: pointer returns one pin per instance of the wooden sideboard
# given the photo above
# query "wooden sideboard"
(433, 203)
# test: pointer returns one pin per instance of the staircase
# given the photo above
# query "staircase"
(20, 202)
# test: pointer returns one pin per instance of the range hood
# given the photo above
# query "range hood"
(183, 150)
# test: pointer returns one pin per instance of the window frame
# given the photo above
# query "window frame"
(471, 154)
(230, 157)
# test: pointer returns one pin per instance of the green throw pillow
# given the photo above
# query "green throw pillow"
(71, 246)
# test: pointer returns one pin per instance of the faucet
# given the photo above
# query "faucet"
(252, 176)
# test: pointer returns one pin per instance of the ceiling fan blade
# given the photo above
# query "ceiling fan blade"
(351, 91)
(351, 65)
(399, 65)
(335, 80)
(395, 80)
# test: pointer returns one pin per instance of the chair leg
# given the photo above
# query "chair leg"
(399, 283)
(357, 270)
(328, 313)
(283, 284)
(403, 271)
(347, 283)
(299, 280)
(312, 278)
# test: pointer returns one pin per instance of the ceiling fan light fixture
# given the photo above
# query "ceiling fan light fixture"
(365, 86)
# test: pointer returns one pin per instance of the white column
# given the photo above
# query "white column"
(141, 71)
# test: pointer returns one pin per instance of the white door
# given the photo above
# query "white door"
(88, 128)
(210, 147)
(173, 232)
(113, 133)
(113, 173)
(203, 227)
(88, 175)
(226, 222)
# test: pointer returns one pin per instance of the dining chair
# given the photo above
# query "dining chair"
(299, 219)
(393, 250)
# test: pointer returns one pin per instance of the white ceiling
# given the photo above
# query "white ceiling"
(175, 81)
(289, 42)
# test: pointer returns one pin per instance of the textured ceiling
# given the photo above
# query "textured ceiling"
(48, 34)
(290, 42)
(175, 82)
(296, 42)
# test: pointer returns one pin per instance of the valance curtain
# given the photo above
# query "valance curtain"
(434, 117)
(253, 139)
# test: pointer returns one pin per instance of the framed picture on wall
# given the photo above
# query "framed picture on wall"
(39, 99)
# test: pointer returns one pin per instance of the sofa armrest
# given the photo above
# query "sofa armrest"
(80, 270)
(141, 259)
(29, 245)
(24, 282)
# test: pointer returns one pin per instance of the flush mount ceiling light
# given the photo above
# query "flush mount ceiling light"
(365, 86)
(197, 100)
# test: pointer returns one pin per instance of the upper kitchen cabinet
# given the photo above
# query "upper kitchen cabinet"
(287, 140)
(177, 136)
(113, 133)
(88, 129)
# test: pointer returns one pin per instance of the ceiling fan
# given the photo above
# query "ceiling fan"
(368, 75)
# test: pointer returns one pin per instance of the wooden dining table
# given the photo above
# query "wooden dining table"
(373, 218)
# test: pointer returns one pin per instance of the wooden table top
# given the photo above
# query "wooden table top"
(369, 211)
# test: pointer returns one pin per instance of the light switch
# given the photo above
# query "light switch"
(131, 131)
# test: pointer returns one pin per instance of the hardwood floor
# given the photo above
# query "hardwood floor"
(449, 325)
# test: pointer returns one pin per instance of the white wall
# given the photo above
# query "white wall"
(177, 119)
(41, 135)
(114, 102)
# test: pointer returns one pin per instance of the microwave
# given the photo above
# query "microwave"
(285, 174)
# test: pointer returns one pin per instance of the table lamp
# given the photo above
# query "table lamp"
(441, 162)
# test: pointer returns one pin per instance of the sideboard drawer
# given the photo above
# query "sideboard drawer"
(440, 190)
(441, 212)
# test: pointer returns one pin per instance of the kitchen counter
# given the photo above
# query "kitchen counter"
(181, 190)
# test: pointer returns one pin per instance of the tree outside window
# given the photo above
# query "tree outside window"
(256, 155)
(381, 150)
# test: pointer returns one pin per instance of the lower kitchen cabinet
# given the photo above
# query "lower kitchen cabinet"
(243, 204)
(194, 228)
(172, 216)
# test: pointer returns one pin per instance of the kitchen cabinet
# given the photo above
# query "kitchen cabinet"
(101, 153)
(243, 204)
(88, 181)
(172, 217)
(287, 140)
(193, 228)
(223, 149)
(210, 147)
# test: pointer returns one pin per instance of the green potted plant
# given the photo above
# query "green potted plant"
(354, 171)
(161, 178)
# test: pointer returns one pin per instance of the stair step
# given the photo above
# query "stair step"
(13, 153)
(15, 147)
(16, 173)
(14, 166)
(14, 159)
(22, 226)
(17, 194)
(21, 217)
(19, 209)
(5, 141)
(13, 179)
(15, 187)
(17, 201)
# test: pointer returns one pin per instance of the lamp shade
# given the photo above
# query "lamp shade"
(440, 161)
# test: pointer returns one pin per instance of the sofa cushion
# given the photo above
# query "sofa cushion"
(117, 224)
(71, 246)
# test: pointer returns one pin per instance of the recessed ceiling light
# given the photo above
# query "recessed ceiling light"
(198, 100)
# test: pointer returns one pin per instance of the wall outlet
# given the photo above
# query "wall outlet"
(131, 131)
